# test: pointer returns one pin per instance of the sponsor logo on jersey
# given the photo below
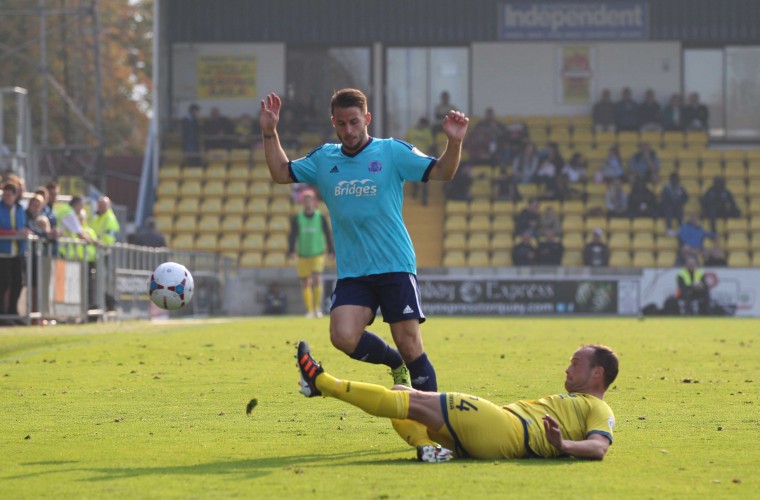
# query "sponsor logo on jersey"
(357, 187)
(375, 167)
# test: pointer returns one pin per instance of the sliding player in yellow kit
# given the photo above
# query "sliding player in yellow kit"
(446, 425)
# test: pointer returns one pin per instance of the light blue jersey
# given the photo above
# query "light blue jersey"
(364, 194)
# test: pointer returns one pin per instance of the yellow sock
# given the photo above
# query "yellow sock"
(318, 297)
(308, 299)
(373, 399)
(414, 433)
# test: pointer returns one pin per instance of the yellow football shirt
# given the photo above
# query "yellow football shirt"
(579, 415)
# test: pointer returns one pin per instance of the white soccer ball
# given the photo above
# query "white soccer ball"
(171, 286)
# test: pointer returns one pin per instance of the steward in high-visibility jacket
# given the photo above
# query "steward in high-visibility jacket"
(104, 223)
(693, 292)
(71, 226)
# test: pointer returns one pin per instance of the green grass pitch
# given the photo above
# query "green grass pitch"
(141, 410)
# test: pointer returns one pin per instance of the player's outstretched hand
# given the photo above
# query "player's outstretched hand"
(553, 432)
(270, 113)
(455, 125)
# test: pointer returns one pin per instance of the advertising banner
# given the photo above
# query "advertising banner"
(735, 291)
(575, 74)
(524, 20)
(226, 76)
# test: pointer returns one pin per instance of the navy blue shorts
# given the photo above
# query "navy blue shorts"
(396, 294)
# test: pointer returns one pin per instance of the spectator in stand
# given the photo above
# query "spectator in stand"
(716, 257)
(421, 135)
(290, 129)
(148, 236)
(626, 112)
(245, 131)
(549, 223)
(719, 202)
(71, 226)
(524, 253)
(218, 131)
(686, 252)
(505, 186)
(104, 222)
(549, 167)
(442, 109)
(672, 200)
(486, 143)
(645, 164)
(564, 191)
(528, 219)
(596, 253)
(576, 168)
(517, 139)
(603, 113)
(672, 114)
(649, 113)
(525, 165)
(550, 250)
(616, 199)
(695, 114)
(39, 225)
(458, 188)
(692, 235)
(12, 223)
(191, 136)
(642, 202)
(613, 166)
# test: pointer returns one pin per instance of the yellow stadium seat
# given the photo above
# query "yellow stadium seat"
(484, 172)
(503, 223)
(276, 242)
(279, 224)
(735, 155)
(237, 189)
(280, 206)
(166, 172)
(754, 227)
(260, 173)
(620, 258)
(185, 241)
(739, 258)
(251, 259)
(191, 173)
(572, 223)
(164, 223)
(665, 243)
(626, 139)
(456, 207)
(275, 259)
(478, 258)
(756, 259)
(239, 173)
(480, 222)
(643, 258)
(594, 223)
(217, 155)
(619, 241)
(737, 225)
(185, 224)
(232, 224)
(454, 258)
(652, 138)
(481, 188)
(711, 168)
(239, 155)
(737, 187)
(573, 242)
(189, 205)
(643, 241)
(501, 258)
(211, 206)
(253, 241)
(257, 206)
(666, 258)
(234, 206)
(502, 241)
(672, 140)
(455, 224)
(480, 206)
(696, 139)
(478, 241)
(164, 205)
(282, 190)
(191, 188)
(260, 188)
(572, 259)
(256, 223)
(503, 207)
(206, 243)
(737, 241)
(213, 188)
(215, 172)
(573, 207)
(604, 140)
(167, 188)
(454, 241)
(643, 225)
(733, 170)
(208, 224)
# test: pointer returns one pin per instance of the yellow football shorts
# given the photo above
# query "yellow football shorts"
(310, 265)
(477, 428)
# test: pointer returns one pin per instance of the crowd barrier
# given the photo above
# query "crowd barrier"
(73, 282)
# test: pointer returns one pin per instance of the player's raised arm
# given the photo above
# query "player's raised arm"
(455, 127)
(593, 447)
(277, 160)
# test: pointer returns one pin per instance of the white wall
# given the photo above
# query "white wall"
(270, 76)
(523, 78)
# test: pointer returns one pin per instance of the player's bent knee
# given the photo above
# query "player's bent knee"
(345, 341)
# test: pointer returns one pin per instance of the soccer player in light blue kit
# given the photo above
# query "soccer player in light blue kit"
(361, 180)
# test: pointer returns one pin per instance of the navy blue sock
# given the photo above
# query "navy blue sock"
(373, 349)
(423, 374)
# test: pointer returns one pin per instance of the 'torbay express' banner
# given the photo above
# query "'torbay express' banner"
(573, 21)
(517, 297)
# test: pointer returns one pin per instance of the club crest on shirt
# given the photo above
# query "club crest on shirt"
(375, 167)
